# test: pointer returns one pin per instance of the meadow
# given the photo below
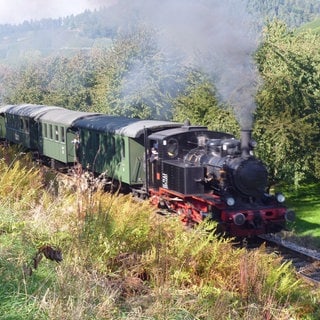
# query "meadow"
(122, 261)
(305, 201)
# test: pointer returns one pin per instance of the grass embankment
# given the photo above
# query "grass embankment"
(306, 203)
(120, 261)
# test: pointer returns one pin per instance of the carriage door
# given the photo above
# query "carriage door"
(154, 165)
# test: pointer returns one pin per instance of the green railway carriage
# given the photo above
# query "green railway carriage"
(58, 138)
(115, 145)
(3, 131)
(18, 124)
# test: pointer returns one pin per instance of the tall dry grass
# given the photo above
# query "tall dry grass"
(122, 261)
(19, 183)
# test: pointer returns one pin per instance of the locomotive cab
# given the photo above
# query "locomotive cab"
(180, 157)
(153, 164)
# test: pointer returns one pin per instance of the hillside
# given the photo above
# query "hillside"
(313, 25)
(294, 13)
(71, 34)
(64, 36)
(44, 42)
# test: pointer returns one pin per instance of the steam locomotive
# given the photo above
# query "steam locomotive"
(189, 170)
(205, 174)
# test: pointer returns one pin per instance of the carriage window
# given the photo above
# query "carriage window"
(123, 150)
(62, 132)
(45, 133)
(26, 125)
(50, 132)
(56, 131)
(21, 124)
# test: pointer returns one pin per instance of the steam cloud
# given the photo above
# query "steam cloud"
(213, 35)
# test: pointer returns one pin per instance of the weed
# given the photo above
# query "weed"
(121, 261)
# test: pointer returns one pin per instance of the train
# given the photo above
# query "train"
(181, 168)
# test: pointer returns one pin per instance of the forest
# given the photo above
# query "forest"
(126, 73)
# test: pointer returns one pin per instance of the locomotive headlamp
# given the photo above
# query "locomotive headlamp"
(239, 219)
(253, 143)
(290, 216)
(280, 197)
(230, 201)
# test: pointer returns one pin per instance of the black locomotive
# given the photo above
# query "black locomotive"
(200, 173)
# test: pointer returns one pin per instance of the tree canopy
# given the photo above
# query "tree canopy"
(199, 104)
(133, 78)
(288, 115)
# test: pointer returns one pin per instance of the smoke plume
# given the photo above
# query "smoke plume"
(212, 35)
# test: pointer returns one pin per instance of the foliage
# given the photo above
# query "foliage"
(306, 204)
(314, 26)
(122, 262)
(52, 81)
(133, 78)
(288, 114)
(198, 103)
(15, 293)
(293, 12)
(19, 181)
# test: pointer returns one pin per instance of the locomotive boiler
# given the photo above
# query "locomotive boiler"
(230, 168)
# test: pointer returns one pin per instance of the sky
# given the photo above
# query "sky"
(17, 11)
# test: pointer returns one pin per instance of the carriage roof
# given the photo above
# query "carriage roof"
(130, 127)
(63, 116)
(27, 110)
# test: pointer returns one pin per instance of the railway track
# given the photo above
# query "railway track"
(305, 261)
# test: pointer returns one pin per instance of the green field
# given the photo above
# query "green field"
(313, 25)
(306, 204)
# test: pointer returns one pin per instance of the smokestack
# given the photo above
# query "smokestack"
(245, 142)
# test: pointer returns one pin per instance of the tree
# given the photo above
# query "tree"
(134, 79)
(58, 81)
(70, 81)
(25, 84)
(287, 119)
(198, 103)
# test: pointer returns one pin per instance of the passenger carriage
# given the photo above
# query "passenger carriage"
(116, 145)
(58, 138)
(18, 124)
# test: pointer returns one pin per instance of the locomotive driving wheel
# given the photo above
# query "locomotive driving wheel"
(189, 216)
